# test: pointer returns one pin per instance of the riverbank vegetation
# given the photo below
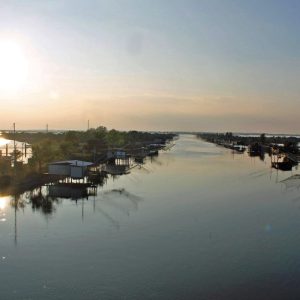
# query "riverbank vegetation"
(286, 143)
(91, 145)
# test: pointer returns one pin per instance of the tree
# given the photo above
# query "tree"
(43, 152)
(262, 138)
(228, 136)
(116, 138)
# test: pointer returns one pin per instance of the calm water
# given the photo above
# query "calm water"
(195, 223)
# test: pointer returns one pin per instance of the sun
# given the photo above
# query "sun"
(13, 66)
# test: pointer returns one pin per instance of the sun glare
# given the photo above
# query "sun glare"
(13, 66)
(3, 202)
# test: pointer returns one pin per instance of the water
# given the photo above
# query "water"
(195, 223)
(7, 149)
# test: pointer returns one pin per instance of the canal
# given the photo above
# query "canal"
(196, 222)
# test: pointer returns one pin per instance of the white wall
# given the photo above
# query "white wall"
(77, 172)
(59, 169)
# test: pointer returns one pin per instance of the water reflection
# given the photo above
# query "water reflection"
(17, 203)
(109, 218)
(41, 200)
(71, 191)
(213, 222)
(46, 199)
(117, 198)
(8, 148)
(262, 155)
(259, 173)
(292, 182)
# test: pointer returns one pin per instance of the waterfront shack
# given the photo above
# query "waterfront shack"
(70, 168)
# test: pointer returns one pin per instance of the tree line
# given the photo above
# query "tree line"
(84, 145)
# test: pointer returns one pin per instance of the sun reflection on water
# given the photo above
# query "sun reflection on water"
(3, 141)
(3, 204)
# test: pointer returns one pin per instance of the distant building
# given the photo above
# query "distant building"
(117, 154)
(70, 168)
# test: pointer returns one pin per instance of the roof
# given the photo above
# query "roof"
(79, 163)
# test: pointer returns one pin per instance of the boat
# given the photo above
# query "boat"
(254, 149)
(285, 165)
(238, 148)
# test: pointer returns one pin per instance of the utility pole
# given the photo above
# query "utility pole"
(46, 128)
(15, 145)
(88, 124)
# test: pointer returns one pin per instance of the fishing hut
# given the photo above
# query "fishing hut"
(69, 170)
(281, 161)
(118, 162)
(118, 157)
(154, 148)
(76, 169)
(255, 149)
(139, 154)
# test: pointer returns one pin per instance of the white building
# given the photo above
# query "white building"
(69, 168)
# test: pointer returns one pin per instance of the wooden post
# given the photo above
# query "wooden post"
(22, 150)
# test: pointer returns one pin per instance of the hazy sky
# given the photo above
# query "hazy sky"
(151, 65)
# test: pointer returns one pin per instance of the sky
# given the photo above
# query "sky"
(193, 65)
